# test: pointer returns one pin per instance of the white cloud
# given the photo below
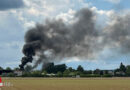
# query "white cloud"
(67, 17)
(29, 24)
(73, 59)
(102, 16)
(102, 12)
(77, 59)
(36, 11)
(33, 11)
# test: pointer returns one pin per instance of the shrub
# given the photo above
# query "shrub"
(59, 74)
(107, 75)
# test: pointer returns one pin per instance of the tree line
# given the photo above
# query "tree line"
(63, 71)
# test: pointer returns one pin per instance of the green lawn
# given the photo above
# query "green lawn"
(67, 83)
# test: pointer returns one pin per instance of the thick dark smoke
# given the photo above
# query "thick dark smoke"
(56, 40)
(117, 34)
(29, 50)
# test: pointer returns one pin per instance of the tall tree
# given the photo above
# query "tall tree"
(97, 71)
(80, 68)
(1, 68)
(49, 68)
(128, 70)
(8, 68)
(122, 67)
(70, 69)
(16, 68)
(61, 68)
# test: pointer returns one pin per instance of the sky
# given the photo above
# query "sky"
(17, 16)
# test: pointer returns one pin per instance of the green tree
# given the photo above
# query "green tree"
(44, 73)
(60, 68)
(128, 70)
(72, 74)
(88, 72)
(36, 74)
(66, 73)
(49, 68)
(97, 71)
(16, 68)
(1, 68)
(122, 67)
(8, 68)
(11, 75)
(71, 69)
(80, 68)
(59, 74)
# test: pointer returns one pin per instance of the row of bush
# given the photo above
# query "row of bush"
(60, 74)
(62, 71)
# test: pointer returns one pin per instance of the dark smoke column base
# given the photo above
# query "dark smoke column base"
(24, 61)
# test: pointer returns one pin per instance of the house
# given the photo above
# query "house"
(120, 73)
(77, 76)
(18, 73)
(52, 74)
(110, 72)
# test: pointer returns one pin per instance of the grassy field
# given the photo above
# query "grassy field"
(66, 84)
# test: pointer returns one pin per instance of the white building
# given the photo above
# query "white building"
(18, 73)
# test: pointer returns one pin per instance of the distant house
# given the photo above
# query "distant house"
(110, 72)
(120, 73)
(52, 74)
(97, 71)
(18, 73)
(77, 76)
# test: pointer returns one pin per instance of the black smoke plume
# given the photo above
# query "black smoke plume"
(56, 40)
(117, 33)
